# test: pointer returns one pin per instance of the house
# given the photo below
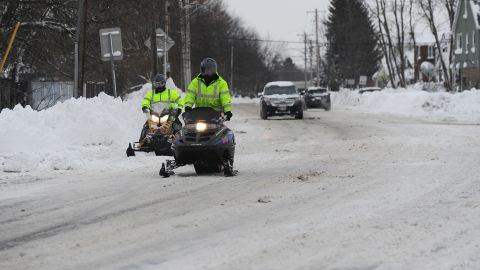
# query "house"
(466, 59)
(425, 51)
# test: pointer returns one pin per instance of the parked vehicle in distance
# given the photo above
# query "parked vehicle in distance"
(369, 89)
(281, 98)
(318, 97)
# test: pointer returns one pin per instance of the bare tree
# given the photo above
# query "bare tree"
(40, 44)
(393, 40)
(412, 28)
(384, 44)
(451, 6)
(399, 14)
(429, 8)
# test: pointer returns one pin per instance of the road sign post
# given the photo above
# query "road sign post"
(112, 65)
(111, 48)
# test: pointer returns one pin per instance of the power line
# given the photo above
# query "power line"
(299, 42)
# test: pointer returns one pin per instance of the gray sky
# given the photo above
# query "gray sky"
(279, 19)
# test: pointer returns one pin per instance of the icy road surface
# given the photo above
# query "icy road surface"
(337, 190)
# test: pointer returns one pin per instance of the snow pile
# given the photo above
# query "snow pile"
(463, 106)
(69, 135)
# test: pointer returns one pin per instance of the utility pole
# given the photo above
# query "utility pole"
(306, 54)
(81, 10)
(182, 38)
(318, 49)
(167, 22)
(185, 33)
(83, 48)
(311, 62)
(231, 68)
(188, 56)
(153, 39)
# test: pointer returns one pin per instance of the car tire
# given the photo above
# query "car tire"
(328, 104)
(263, 113)
(299, 115)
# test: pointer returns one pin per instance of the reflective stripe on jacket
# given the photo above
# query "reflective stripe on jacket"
(216, 95)
(167, 96)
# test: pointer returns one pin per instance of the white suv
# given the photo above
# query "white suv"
(281, 98)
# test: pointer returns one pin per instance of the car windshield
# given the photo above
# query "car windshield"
(317, 91)
(280, 90)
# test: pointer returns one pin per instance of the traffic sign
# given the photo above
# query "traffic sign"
(161, 44)
(363, 80)
(111, 44)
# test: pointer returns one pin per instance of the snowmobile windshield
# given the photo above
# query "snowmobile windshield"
(280, 90)
(164, 108)
(208, 115)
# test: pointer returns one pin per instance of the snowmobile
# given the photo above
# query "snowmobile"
(158, 132)
(205, 142)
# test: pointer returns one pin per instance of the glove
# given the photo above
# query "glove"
(229, 115)
(145, 109)
(179, 111)
(188, 109)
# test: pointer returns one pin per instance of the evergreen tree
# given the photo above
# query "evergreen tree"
(352, 42)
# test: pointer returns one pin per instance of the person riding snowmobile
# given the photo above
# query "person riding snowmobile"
(169, 99)
(209, 90)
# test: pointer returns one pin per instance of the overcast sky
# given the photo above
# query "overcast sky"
(279, 20)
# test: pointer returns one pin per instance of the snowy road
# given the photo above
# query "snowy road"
(338, 190)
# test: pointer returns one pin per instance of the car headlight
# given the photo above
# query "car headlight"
(164, 119)
(201, 127)
(267, 100)
(155, 118)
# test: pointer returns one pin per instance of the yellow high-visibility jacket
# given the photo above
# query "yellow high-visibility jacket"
(171, 97)
(216, 95)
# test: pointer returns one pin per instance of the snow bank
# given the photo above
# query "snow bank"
(71, 134)
(463, 106)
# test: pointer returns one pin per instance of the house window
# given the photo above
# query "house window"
(474, 40)
(467, 45)
(430, 52)
(459, 43)
(465, 15)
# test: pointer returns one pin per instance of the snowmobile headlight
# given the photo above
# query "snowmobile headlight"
(155, 118)
(201, 127)
(164, 119)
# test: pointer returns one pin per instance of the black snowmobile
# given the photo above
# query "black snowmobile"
(205, 142)
(157, 133)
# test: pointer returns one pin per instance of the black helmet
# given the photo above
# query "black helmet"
(208, 67)
(159, 81)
